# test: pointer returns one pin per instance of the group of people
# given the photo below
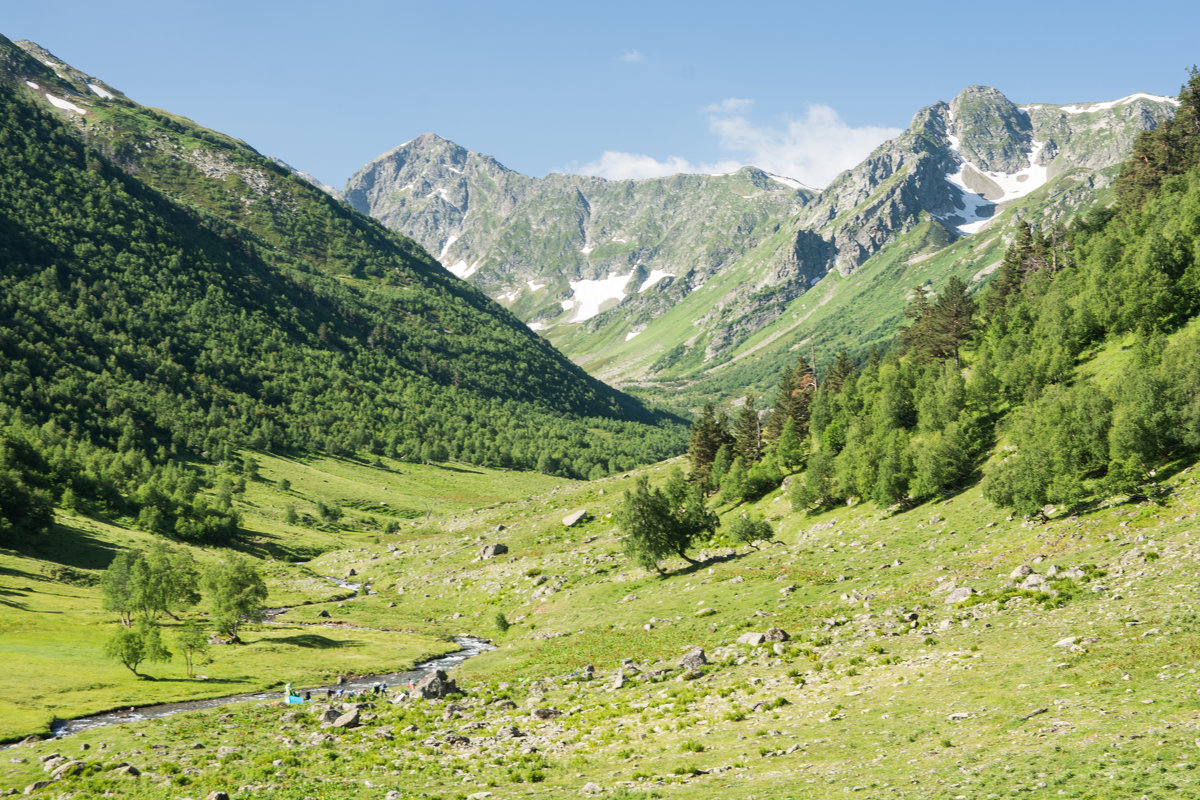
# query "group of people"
(290, 696)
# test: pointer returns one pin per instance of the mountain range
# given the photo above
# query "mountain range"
(659, 283)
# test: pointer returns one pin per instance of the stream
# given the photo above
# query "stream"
(471, 646)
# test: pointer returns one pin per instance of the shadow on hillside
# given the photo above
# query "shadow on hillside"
(6, 593)
(72, 547)
(705, 564)
(314, 641)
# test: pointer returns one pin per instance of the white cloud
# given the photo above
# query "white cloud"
(730, 105)
(812, 149)
(632, 57)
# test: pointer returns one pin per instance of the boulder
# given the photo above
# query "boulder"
(509, 732)
(67, 770)
(1074, 573)
(217, 795)
(330, 716)
(323, 613)
(36, 786)
(1066, 642)
(1020, 572)
(128, 770)
(456, 739)
(434, 685)
(1034, 581)
(347, 720)
(960, 594)
(618, 681)
(591, 788)
(575, 517)
(752, 639)
(777, 635)
(694, 659)
(493, 550)
(545, 713)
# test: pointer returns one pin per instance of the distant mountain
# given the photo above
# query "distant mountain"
(207, 297)
(653, 282)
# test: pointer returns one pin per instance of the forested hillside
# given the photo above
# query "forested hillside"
(139, 334)
(1074, 375)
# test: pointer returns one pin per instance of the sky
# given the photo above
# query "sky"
(616, 89)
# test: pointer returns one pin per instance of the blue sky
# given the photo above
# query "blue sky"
(620, 89)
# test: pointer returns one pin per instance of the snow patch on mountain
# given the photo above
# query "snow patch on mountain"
(32, 85)
(462, 270)
(446, 247)
(791, 183)
(100, 91)
(587, 297)
(1088, 108)
(979, 210)
(65, 105)
(534, 286)
(655, 276)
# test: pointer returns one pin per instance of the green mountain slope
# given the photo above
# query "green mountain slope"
(150, 307)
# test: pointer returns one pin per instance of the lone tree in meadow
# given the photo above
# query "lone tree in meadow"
(237, 594)
(132, 646)
(659, 523)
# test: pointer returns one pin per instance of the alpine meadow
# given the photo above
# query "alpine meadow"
(459, 483)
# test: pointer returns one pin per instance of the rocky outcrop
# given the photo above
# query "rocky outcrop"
(435, 685)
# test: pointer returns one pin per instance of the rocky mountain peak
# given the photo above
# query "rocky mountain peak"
(989, 130)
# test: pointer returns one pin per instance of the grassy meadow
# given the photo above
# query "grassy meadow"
(882, 690)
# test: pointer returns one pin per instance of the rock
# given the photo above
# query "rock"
(510, 732)
(36, 786)
(329, 717)
(591, 788)
(1066, 642)
(457, 740)
(67, 770)
(944, 586)
(619, 680)
(52, 762)
(545, 713)
(347, 720)
(350, 573)
(752, 639)
(694, 659)
(1020, 572)
(434, 685)
(493, 550)
(777, 635)
(1034, 581)
(1132, 557)
(217, 795)
(1074, 573)
(575, 517)
(706, 612)
(323, 613)
(127, 770)
(479, 795)
(960, 594)
(778, 648)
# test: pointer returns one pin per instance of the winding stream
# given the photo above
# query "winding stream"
(470, 645)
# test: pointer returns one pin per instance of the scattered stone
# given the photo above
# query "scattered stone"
(753, 639)
(706, 612)
(329, 717)
(510, 732)
(323, 613)
(694, 659)
(434, 685)
(591, 788)
(545, 713)
(1034, 581)
(1074, 573)
(347, 720)
(127, 770)
(777, 635)
(53, 762)
(493, 550)
(67, 770)
(1020, 572)
(350, 573)
(1066, 642)
(575, 517)
(1033, 714)
(36, 786)
(1132, 557)
(457, 740)
(619, 679)
(217, 795)
(778, 648)
(960, 594)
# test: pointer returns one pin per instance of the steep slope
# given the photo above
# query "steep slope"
(203, 295)
(962, 170)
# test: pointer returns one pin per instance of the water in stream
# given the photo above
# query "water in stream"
(470, 645)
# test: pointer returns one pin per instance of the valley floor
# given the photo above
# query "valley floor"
(1081, 686)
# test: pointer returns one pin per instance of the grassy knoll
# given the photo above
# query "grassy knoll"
(883, 689)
